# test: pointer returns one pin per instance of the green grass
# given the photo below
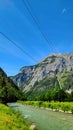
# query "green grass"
(64, 106)
(11, 120)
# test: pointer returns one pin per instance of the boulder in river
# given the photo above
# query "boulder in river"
(33, 127)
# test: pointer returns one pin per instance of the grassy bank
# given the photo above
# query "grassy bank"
(58, 106)
(11, 120)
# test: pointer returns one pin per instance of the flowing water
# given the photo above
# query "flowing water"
(45, 119)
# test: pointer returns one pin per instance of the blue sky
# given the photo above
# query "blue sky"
(55, 18)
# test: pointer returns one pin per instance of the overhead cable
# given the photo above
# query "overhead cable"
(17, 46)
(17, 32)
(37, 24)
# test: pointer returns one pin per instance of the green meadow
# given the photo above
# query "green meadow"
(11, 120)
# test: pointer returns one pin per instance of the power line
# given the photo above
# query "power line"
(35, 20)
(17, 46)
(17, 32)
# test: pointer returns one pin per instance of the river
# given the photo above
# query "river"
(45, 119)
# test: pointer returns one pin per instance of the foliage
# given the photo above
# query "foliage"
(53, 88)
(66, 80)
(9, 92)
(11, 120)
(49, 95)
(65, 106)
(40, 88)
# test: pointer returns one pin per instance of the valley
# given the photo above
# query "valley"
(47, 87)
(36, 64)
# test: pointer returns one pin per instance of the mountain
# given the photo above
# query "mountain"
(54, 72)
(9, 92)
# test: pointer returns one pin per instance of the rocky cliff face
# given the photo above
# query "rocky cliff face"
(54, 66)
(25, 73)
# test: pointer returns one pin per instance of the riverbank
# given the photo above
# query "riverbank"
(44, 119)
(66, 107)
(11, 120)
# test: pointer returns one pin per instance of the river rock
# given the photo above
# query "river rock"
(33, 127)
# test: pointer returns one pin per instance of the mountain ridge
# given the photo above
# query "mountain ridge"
(52, 68)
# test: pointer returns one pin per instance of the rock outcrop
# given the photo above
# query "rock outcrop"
(55, 66)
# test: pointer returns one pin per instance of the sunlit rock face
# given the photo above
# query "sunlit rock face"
(50, 67)
(25, 73)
